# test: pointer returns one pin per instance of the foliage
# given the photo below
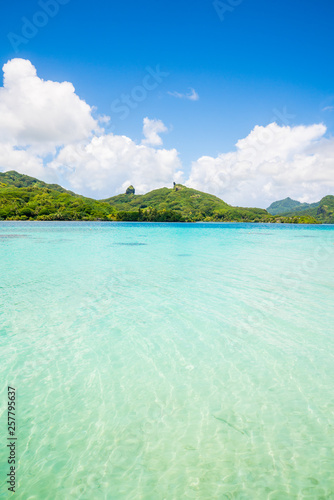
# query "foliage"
(150, 215)
(191, 206)
(13, 178)
(35, 203)
(325, 211)
(25, 198)
(130, 190)
(289, 206)
(189, 203)
(322, 211)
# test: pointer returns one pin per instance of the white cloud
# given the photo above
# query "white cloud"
(104, 119)
(40, 114)
(151, 131)
(328, 108)
(48, 132)
(14, 159)
(270, 163)
(191, 96)
(109, 163)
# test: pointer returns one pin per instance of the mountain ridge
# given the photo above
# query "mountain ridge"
(26, 198)
(323, 211)
(288, 205)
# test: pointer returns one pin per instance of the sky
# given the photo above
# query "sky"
(232, 97)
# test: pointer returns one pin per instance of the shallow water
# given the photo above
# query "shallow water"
(168, 361)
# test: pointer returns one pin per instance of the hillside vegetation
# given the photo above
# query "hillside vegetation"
(26, 198)
(322, 211)
(13, 178)
(289, 206)
(191, 205)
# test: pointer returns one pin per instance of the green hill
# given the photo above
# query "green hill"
(325, 210)
(13, 178)
(322, 211)
(188, 202)
(289, 206)
(191, 205)
(26, 198)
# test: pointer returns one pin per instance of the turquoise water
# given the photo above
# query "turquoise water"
(168, 361)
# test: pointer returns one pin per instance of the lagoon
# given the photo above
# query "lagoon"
(168, 361)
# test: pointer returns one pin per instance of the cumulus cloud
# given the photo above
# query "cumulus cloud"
(48, 132)
(191, 95)
(12, 158)
(41, 114)
(109, 163)
(151, 131)
(272, 162)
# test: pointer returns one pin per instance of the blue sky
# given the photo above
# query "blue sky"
(265, 59)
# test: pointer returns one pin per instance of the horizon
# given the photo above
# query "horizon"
(217, 103)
